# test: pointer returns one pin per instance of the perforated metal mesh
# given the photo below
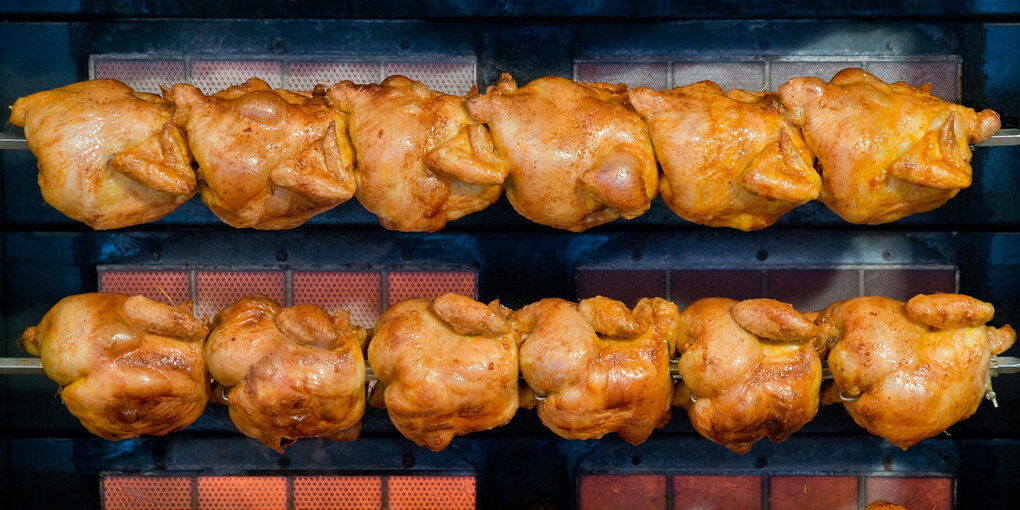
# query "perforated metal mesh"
(943, 75)
(337, 492)
(431, 492)
(144, 75)
(447, 77)
(171, 287)
(403, 285)
(782, 72)
(358, 292)
(216, 290)
(214, 75)
(146, 492)
(242, 492)
(729, 75)
(654, 75)
(305, 75)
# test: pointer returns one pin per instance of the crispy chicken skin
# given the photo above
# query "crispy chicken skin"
(108, 156)
(884, 505)
(749, 370)
(597, 367)
(729, 159)
(421, 160)
(267, 159)
(579, 156)
(126, 366)
(449, 367)
(914, 368)
(289, 373)
(885, 150)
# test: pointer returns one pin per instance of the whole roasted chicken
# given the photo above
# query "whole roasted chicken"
(885, 150)
(749, 370)
(421, 160)
(108, 156)
(598, 367)
(288, 373)
(267, 159)
(578, 156)
(729, 159)
(126, 366)
(907, 371)
(448, 367)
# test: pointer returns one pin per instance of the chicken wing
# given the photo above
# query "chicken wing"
(267, 159)
(289, 373)
(596, 367)
(108, 156)
(729, 159)
(885, 150)
(422, 161)
(126, 366)
(449, 367)
(749, 370)
(578, 156)
(907, 371)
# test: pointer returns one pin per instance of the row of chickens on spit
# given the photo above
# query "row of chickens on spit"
(570, 155)
(751, 369)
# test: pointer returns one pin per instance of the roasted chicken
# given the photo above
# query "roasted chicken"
(288, 373)
(448, 367)
(885, 150)
(267, 159)
(108, 156)
(749, 370)
(729, 159)
(578, 156)
(907, 371)
(126, 366)
(597, 367)
(421, 160)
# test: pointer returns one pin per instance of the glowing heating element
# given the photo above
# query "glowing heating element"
(139, 492)
(306, 492)
(171, 287)
(775, 492)
(358, 292)
(403, 285)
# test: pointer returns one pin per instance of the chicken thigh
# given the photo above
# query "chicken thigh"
(596, 367)
(907, 371)
(126, 366)
(749, 370)
(267, 159)
(578, 156)
(288, 373)
(449, 367)
(108, 156)
(729, 159)
(885, 150)
(421, 160)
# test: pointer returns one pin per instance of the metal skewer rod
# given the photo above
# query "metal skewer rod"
(13, 141)
(33, 366)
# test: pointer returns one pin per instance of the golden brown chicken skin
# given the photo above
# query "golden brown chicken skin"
(908, 371)
(598, 367)
(288, 373)
(578, 156)
(108, 156)
(421, 160)
(884, 505)
(449, 367)
(267, 159)
(885, 150)
(749, 370)
(126, 366)
(729, 159)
